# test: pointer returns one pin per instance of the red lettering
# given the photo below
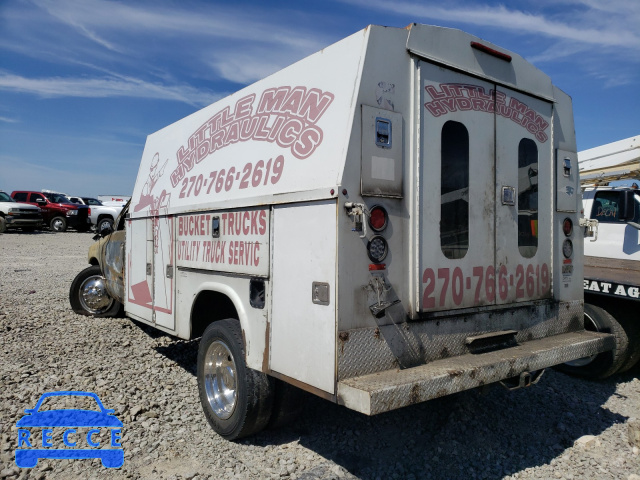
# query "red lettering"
(263, 222)
(272, 99)
(306, 144)
(435, 94)
(246, 217)
(244, 106)
(315, 104)
(436, 108)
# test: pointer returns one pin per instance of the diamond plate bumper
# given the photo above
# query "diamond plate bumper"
(387, 390)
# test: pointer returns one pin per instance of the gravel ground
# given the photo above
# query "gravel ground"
(149, 379)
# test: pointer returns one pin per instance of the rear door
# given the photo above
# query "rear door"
(481, 212)
(523, 230)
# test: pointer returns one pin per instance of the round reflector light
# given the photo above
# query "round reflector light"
(378, 218)
(377, 249)
(567, 226)
(567, 248)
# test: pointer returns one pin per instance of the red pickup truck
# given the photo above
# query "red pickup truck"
(57, 210)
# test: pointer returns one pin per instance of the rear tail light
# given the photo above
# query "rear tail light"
(89, 212)
(378, 218)
(567, 227)
(567, 248)
(377, 249)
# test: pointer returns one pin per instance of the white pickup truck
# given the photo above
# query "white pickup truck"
(18, 215)
(102, 216)
(612, 256)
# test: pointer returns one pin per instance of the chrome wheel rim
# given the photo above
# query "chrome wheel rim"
(57, 225)
(220, 379)
(589, 325)
(93, 295)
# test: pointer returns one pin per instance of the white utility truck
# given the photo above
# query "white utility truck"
(612, 257)
(390, 220)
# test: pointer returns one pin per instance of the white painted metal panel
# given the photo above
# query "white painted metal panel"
(163, 270)
(139, 284)
(233, 242)
(449, 283)
(286, 133)
(523, 272)
(303, 333)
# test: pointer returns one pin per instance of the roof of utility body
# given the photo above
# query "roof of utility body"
(285, 138)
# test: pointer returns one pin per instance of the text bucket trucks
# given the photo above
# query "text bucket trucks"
(612, 257)
(379, 224)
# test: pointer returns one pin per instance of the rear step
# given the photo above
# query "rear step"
(383, 391)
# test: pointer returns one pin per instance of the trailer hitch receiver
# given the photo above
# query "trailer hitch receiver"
(526, 379)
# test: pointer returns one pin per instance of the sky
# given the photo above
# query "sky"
(83, 82)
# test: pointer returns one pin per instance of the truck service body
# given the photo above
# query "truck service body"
(382, 219)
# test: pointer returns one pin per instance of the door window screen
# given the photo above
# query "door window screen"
(454, 190)
(527, 198)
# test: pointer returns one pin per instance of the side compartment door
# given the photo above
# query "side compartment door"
(163, 270)
(456, 210)
(303, 305)
(139, 273)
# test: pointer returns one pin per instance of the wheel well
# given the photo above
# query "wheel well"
(94, 261)
(105, 215)
(210, 307)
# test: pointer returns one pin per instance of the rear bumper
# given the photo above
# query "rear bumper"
(391, 389)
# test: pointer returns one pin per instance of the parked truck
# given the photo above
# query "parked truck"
(18, 215)
(58, 212)
(390, 220)
(612, 257)
(102, 216)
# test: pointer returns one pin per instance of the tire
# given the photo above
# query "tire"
(3, 225)
(236, 400)
(58, 224)
(631, 324)
(104, 223)
(88, 295)
(288, 404)
(604, 364)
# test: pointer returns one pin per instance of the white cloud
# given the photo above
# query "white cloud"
(8, 120)
(105, 87)
(514, 20)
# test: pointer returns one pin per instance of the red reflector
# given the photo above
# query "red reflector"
(378, 218)
(491, 51)
(379, 266)
(566, 261)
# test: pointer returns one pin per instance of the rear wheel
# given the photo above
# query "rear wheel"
(58, 224)
(3, 225)
(604, 364)
(236, 400)
(88, 295)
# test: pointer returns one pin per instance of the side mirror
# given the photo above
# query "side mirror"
(40, 200)
(627, 206)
